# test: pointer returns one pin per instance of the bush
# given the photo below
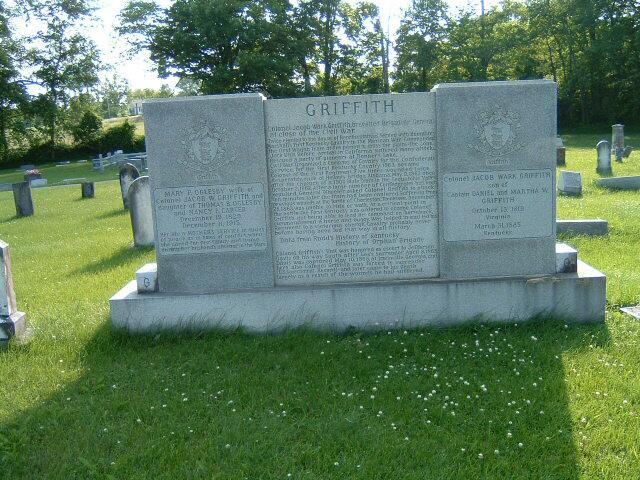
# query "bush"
(120, 137)
(87, 131)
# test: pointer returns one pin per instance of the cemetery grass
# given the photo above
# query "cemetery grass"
(541, 400)
(56, 174)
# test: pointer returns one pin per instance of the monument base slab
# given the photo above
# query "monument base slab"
(571, 297)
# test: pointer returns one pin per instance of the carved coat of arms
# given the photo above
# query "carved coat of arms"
(205, 148)
(497, 132)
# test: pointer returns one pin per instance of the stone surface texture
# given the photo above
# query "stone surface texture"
(88, 189)
(561, 156)
(22, 198)
(589, 228)
(620, 183)
(617, 140)
(604, 158)
(147, 278)
(7, 295)
(566, 258)
(573, 297)
(210, 190)
(141, 212)
(128, 173)
(496, 168)
(570, 183)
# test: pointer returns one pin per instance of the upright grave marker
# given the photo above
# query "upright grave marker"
(23, 199)
(604, 158)
(128, 173)
(617, 140)
(140, 211)
(12, 322)
(421, 208)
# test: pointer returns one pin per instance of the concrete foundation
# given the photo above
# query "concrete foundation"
(571, 297)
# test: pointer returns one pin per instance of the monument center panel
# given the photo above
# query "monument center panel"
(353, 188)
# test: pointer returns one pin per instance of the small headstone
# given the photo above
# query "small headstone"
(128, 173)
(559, 142)
(87, 189)
(586, 227)
(566, 259)
(627, 151)
(12, 322)
(617, 140)
(39, 182)
(570, 183)
(22, 199)
(604, 158)
(141, 212)
(27, 167)
(561, 154)
(147, 278)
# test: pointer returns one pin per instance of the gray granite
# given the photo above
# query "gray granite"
(572, 297)
(128, 173)
(496, 168)
(88, 190)
(210, 190)
(620, 183)
(147, 278)
(561, 156)
(617, 141)
(140, 209)
(22, 198)
(604, 158)
(566, 258)
(587, 227)
(38, 182)
(570, 183)
(7, 295)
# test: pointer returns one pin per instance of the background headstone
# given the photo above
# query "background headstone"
(617, 140)
(88, 190)
(604, 158)
(140, 210)
(128, 173)
(570, 183)
(627, 151)
(561, 156)
(22, 198)
(496, 167)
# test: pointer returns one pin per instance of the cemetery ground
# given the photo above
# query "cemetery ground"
(537, 400)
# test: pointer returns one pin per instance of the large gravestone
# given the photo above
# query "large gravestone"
(373, 210)
(23, 199)
(140, 210)
(12, 322)
(128, 173)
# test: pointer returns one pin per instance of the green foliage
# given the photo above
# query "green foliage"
(120, 137)
(87, 131)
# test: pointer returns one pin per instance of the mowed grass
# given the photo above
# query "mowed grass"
(56, 175)
(541, 400)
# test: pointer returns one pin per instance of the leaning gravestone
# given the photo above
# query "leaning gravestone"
(617, 140)
(22, 198)
(12, 322)
(367, 211)
(604, 158)
(128, 173)
(141, 212)
(570, 183)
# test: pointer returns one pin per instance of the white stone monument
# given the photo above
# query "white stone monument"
(140, 210)
(367, 211)
(604, 158)
(12, 322)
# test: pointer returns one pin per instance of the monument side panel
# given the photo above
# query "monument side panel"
(496, 178)
(353, 188)
(208, 171)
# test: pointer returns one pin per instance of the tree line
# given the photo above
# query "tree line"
(289, 48)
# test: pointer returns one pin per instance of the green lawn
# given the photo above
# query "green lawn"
(56, 174)
(541, 400)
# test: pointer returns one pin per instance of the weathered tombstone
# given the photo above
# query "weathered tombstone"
(141, 212)
(22, 198)
(12, 322)
(128, 173)
(88, 190)
(617, 140)
(631, 182)
(570, 183)
(604, 158)
(561, 156)
(367, 211)
(627, 151)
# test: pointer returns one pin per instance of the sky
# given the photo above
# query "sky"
(139, 70)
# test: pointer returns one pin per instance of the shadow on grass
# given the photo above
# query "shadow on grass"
(316, 405)
(119, 257)
(119, 212)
